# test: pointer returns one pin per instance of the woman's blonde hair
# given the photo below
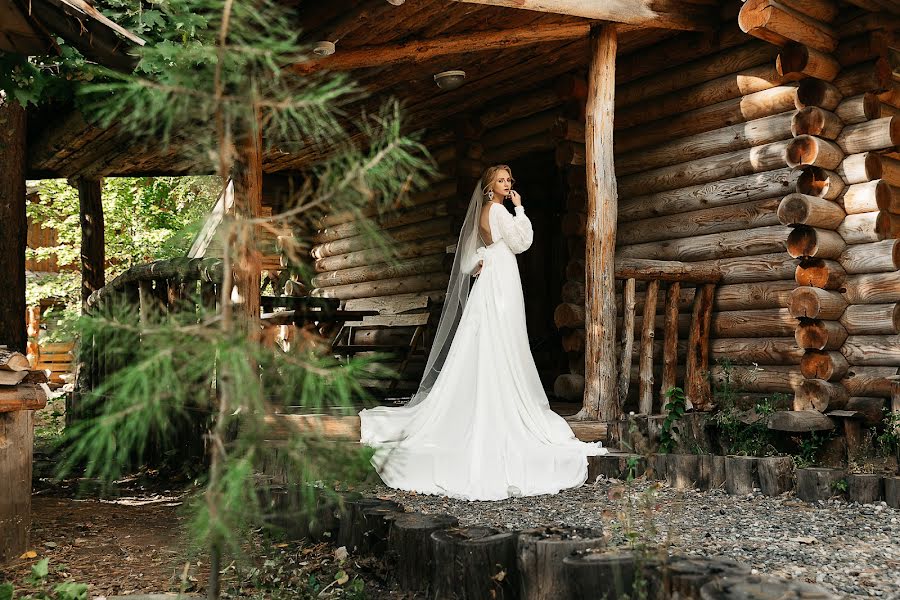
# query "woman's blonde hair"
(490, 174)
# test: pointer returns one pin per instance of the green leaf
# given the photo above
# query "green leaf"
(41, 568)
(70, 590)
(6, 591)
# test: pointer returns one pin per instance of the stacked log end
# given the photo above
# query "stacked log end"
(844, 223)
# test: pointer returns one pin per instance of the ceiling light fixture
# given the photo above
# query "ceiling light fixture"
(450, 80)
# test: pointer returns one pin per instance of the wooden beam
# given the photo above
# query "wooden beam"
(93, 254)
(418, 51)
(663, 14)
(15, 231)
(600, 307)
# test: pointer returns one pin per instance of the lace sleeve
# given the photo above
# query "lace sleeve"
(516, 230)
(470, 262)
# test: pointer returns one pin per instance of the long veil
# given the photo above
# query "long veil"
(469, 250)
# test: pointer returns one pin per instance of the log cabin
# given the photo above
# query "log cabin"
(722, 174)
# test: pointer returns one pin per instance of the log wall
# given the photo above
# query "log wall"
(769, 159)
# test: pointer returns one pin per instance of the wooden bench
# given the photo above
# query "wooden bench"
(411, 311)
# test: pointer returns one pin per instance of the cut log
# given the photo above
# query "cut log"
(872, 76)
(697, 384)
(887, 226)
(646, 359)
(802, 60)
(816, 303)
(352, 520)
(813, 120)
(821, 273)
(385, 287)
(388, 270)
(767, 294)
(712, 472)
(685, 576)
(778, 24)
(820, 395)
(410, 545)
(761, 587)
(892, 491)
(475, 562)
(807, 150)
(871, 350)
(800, 209)
(872, 319)
(816, 483)
(819, 182)
(407, 233)
(762, 351)
(13, 361)
(705, 170)
(666, 271)
(610, 575)
(741, 109)
(871, 410)
(540, 559)
(878, 257)
(573, 341)
(860, 228)
(762, 186)
(375, 526)
(23, 397)
(16, 442)
(816, 92)
(859, 168)
(683, 471)
(811, 242)
(869, 381)
(571, 386)
(863, 197)
(864, 47)
(776, 475)
(731, 244)
(852, 110)
(872, 288)
(573, 224)
(569, 315)
(870, 135)
(757, 132)
(820, 335)
(393, 219)
(799, 421)
(755, 269)
(741, 475)
(627, 335)
(865, 488)
(828, 366)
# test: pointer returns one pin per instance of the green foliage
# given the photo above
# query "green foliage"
(809, 446)
(889, 438)
(743, 432)
(39, 578)
(839, 486)
(6, 591)
(675, 408)
(145, 219)
(39, 571)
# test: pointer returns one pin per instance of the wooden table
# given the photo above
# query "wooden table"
(306, 310)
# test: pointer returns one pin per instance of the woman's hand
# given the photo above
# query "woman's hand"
(477, 271)
(515, 197)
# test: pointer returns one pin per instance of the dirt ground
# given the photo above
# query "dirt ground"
(137, 545)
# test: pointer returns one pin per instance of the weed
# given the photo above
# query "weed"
(675, 409)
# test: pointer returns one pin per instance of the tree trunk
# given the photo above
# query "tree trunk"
(540, 559)
(411, 548)
(475, 563)
(600, 307)
(15, 230)
(247, 175)
(352, 532)
(698, 389)
(93, 253)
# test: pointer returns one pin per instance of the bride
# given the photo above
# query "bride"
(480, 426)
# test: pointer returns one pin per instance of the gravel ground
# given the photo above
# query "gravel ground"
(849, 549)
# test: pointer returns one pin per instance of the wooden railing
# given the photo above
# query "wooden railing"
(696, 382)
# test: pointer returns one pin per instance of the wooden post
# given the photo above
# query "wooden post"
(247, 177)
(15, 471)
(15, 230)
(93, 256)
(600, 305)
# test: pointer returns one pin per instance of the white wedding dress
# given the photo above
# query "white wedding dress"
(485, 430)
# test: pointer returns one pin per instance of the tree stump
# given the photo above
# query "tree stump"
(660, 465)
(892, 491)
(776, 475)
(685, 575)
(712, 472)
(683, 471)
(471, 563)
(541, 554)
(740, 475)
(613, 575)
(762, 587)
(865, 488)
(376, 526)
(298, 520)
(410, 548)
(352, 520)
(817, 483)
(616, 465)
